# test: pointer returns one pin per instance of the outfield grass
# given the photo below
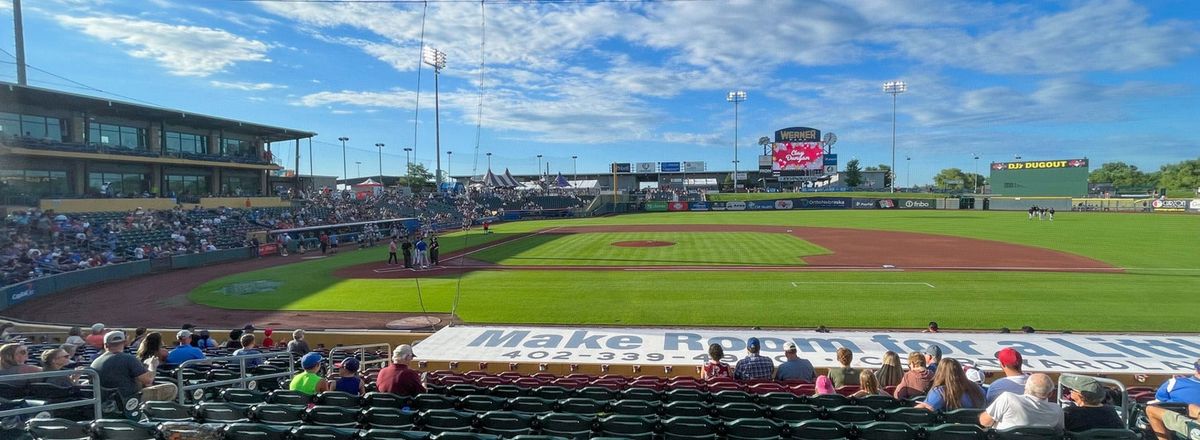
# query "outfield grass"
(1156, 294)
(689, 249)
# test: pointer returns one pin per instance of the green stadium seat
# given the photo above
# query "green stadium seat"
(166, 412)
(331, 416)
(463, 436)
(626, 426)
(639, 393)
(1028, 433)
(687, 408)
(820, 430)
(829, 400)
(541, 437)
(852, 414)
(392, 434)
(446, 420)
(962, 415)
(242, 396)
(288, 397)
(462, 389)
(739, 410)
(338, 398)
(482, 403)
(690, 428)
(955, 431)
(572, 426)
(377, 399)
(911, 416)
(121, 429)
(635, 407)
(508, 391)
(428, 401)
(57, 429)
(256, 431)
(530, 404)
(596, 393)
(754, 429)
(388, 418)
(506, 423)
(314, 432)
(795, 413)
(879, 402)
(277, 414)
(685, 395)
(551, 392)
(779, 398)
(732, 396)
(580, 405)
(886, 431)
(220, 412)
(1104, 434)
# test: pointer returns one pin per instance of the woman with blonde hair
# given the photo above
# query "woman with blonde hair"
(868, 385)
(54, 360)
(952, 390)
(890, 372)
(12, 361)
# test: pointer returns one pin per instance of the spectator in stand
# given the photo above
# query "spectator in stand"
(248, 349)
(795, 368)
(715, 368)
(1031, 409)
(348, 380)
(917, 380)
(297, 346)
(151, 351)
(310, 382)
(932, 328)
(54, 360)
(267, 342)
(890, 371)
(235, 340)
(824, 386)
(124, 372)
(184, 351)
(138, 334)
(1013, 380)
(6, 333)
(1181, 389)
(952, 390)
(1089, 411)
(397, 378)
(933, 356)
(845, 374)
(204, 341)
(96, 339)
(1170, 425)
(13, 357)
(753, 366)
(869, 385)
(74, 338)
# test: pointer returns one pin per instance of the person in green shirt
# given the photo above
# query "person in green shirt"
(310, 382)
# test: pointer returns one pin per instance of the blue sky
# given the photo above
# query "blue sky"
(641, 82)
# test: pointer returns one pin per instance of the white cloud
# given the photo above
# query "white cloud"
(182, 50)
(392, 99)
(697, 138)
(246, 86)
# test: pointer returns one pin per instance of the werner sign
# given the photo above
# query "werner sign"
(1073, 353)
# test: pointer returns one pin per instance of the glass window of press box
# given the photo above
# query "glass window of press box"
(33, 126)
(236, 147)
(240, 184)
(185, 185)
(186, 143)
(34, 183)
(117, 184)
(117, 136)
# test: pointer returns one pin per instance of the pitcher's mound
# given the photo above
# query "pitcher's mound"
(643, 243)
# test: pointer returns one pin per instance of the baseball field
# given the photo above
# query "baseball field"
(843, 269)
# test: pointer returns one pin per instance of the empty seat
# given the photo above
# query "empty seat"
(962, 415)
(687, 409)
(508, 391)
(550, 392)
(626, 426)
(754, 429)
(740, 410)
(690, 428)
(640, 393)
(596, 393)
(256, 431)
(795, 413)
(886, 431)
(331, 416)
(389, 400)
(878, 402)
(731, 396)
(852, 414)
(445, 420)
(220, 412)
(531, 404)
(57, 429)
(278, 414)
(389, 418)
(580, 405)
(314, 432)
(955, 431)
(1104, 434)
(829, 400)
(166, 412)
(685, 395)
(506, 423)
(392, 434)
(427, 401)
(911, 416)
(464, 389)
(1028, 433)
(120, 429)
(635, 407)
(242, 396)
(482, 403)
(819, 430)
(573, 426)
(338, 398)
(463, 436)
(779, 398)
(288, 397)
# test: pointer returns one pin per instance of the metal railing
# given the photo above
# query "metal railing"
(1126, 408)
(361, 352)
(242, 379)
(93, 380)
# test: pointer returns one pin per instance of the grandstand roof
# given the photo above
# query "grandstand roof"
(36, 96)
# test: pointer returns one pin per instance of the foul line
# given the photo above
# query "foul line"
(459, 256)
(886, 283)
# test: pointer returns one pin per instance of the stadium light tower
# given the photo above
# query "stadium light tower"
(736, 97)
(448, 153)
(975, 178)
(436, 59)
(539, 168)
(407, 161)
(357, 168)
(489, 155)
(345, 174)
(575, 169)
(908, 179)
(380, 145)
(894, 88)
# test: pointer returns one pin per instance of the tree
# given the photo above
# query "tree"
(951, 178)
(418, 176)
(853, 174)
(1180, 176)
(1123, 175)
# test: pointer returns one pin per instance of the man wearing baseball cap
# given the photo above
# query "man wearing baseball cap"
(184, 351)
(1181, 389)
(397, 378)
(933, 356)
(1013, 380)
(753, 366)
(1089, 411)
(127, 374)
(795, 367)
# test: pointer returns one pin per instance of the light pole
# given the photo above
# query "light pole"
(436, 59)
(380, 145)
(736, 97)
(357, 169)
(575, 170)
(908, 179)
(451, 179)
(345, 174)
(894, 88)
(539, 169)
(407, 161)
(489, 155)
(975, 177)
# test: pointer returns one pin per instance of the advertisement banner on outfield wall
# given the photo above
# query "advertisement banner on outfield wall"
(716, 206)
(655, 207)
(915, 204)
(1056, 353)
(698, 206)
(784, 204)
(864, 203)
(760, 205)
(735, 206)
(677, 206)
(1170, 205)
(1194, 205)
(822, 203)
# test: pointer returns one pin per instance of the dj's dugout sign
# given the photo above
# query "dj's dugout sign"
(789, 204)
(1066, 353)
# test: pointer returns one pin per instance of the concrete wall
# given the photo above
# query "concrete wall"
(96, 205)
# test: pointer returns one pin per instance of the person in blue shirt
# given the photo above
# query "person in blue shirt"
(1181, 389)
(248, 348)
(185, 351)
(952, 390)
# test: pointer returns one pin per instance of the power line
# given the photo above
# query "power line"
(82, 85)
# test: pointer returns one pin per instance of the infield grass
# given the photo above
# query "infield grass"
(1158, 292)
(686, 249)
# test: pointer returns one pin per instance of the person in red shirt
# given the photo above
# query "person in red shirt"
(267, 342)
(96, 339)
(397, 378)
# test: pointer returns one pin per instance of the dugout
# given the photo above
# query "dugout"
(1046, 178)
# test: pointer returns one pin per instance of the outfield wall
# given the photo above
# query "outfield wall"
(801, 203)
